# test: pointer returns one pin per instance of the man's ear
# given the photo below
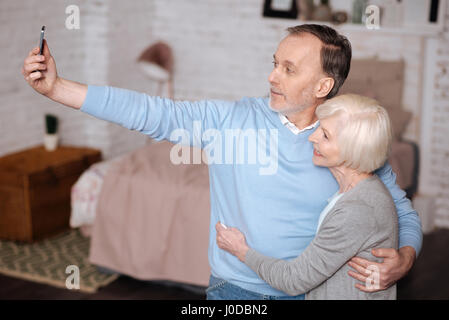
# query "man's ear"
(325, 86)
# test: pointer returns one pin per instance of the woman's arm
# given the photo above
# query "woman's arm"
(341, 236)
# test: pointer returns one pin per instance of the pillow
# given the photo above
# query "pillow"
(381, 80)
(399, 120)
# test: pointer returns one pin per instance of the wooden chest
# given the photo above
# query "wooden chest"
(35, 187)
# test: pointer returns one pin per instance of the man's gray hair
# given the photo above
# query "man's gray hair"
(336, 52)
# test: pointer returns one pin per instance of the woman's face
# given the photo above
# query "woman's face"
(326, 152)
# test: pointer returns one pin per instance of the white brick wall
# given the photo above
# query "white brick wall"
(439, 151)
(100, 53)
(21, 109)
(129, 33)
(223, 50)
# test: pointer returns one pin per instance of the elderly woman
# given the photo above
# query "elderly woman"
(353, 140)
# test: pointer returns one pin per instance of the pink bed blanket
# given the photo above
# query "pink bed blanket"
(152, 218)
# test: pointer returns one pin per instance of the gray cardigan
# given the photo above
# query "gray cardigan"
(362, 219)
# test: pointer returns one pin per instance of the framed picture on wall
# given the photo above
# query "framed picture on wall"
(280, 9)
(433, 12)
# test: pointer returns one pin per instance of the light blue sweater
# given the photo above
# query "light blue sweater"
(274, 198)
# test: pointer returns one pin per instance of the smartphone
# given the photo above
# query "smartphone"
(41, 41)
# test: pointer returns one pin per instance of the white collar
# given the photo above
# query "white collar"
(290, 125)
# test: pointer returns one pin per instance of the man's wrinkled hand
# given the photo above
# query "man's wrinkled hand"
(396, 264)
(40, 70)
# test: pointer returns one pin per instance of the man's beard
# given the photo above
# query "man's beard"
(292, 108)
(287, 110)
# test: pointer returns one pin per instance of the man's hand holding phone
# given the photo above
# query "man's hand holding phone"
(39, 70)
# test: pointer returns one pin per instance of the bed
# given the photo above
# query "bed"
(147, 218)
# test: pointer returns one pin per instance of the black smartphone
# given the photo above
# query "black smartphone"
(41, 41)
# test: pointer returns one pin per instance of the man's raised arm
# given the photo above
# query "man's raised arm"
(160, 118)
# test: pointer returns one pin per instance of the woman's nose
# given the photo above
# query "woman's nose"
(312, 137)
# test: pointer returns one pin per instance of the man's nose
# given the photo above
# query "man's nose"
(273, 78)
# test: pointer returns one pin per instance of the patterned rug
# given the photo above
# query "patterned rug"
(46, 262)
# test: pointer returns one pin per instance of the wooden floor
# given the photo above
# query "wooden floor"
(429, 279)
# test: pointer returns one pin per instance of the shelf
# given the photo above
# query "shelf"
(428, 30)
(425, 30)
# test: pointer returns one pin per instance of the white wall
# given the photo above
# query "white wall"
(435, 169)
(21, 109)
(100, 53)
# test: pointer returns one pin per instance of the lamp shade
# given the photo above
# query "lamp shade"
(157, 62)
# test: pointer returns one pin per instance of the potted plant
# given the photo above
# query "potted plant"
(51, 133)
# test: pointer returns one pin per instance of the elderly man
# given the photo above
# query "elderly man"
(276, 209)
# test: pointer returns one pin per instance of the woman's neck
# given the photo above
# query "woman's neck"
(348, 178)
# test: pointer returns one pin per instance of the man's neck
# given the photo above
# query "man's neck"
(304, 118)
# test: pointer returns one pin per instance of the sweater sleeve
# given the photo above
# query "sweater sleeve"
(341, 236)
(160, 118)
(410, 233)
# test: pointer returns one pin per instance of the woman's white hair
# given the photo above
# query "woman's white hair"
(365, 136)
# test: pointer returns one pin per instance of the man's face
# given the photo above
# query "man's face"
(297, 69)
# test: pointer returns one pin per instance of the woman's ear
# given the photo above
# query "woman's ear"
(325, 86)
